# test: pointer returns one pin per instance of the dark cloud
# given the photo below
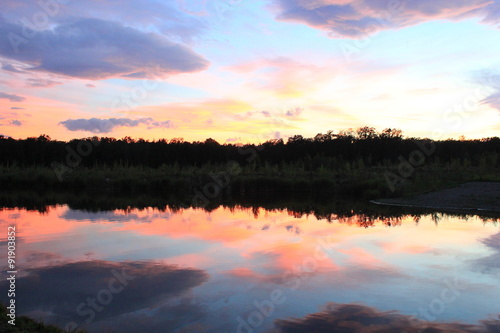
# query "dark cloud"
(491, 263)
(11, 68)
(12, 97)
(16, 108)
(15, 216)
(15, 122)
(41, 83)
(59, 290)
(357, 18)
(80, 215)
(493, 242)
(355, 318)
(98, 49)
(169, 17)
(97, 125)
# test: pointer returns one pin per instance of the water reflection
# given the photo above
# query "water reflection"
(357, 212)
(355, 318)
(251, 269)
(95, 291)
(491, 263)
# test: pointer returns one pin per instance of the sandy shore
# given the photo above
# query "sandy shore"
(484, 196)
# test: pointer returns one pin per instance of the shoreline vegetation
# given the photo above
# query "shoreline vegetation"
(27, 325)
(361, 164)
(364, 164)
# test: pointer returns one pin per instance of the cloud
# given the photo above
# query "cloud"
(357, 18)
(490, 80)
(15, 122)
(62, 288)
(293, 113)
(11, 97)
(90, 85)
(356, 318)
(34, 259)
(11, 68)
(98, 49)
(492, 14)
(493, 100)
(168, 17)
(80, 215)
(97, 125)
(177, 316)
(489, 264)
(284, 76)
(16, 108)
(159, 124)
(41, 83)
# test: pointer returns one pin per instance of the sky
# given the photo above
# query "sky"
(244, 71)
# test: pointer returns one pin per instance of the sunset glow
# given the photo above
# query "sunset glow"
(248, 71)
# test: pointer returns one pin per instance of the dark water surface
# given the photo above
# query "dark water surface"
(254, 270)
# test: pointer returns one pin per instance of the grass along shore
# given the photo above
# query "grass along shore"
(24, 324)
(352, 181)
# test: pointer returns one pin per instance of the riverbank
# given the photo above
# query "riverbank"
(233, 181)
(479, 196)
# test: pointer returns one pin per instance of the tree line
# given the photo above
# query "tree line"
(330, 150)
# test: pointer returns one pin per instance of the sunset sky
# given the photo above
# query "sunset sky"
(248, 71)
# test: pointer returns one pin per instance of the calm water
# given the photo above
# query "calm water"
(253, 271)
